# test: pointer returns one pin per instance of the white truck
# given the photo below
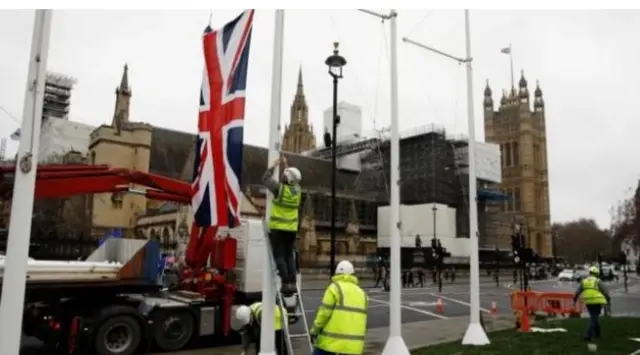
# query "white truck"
(112, 304)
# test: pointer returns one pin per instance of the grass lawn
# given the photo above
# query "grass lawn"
(615, 332)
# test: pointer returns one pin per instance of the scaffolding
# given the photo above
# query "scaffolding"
(3, 149)
(431, 172)
(57, 95)
(346, 148)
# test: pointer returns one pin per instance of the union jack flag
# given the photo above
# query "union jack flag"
(216, 193)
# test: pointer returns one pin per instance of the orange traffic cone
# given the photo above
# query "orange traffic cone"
(439, 306)
(494, 309)
(525, 324)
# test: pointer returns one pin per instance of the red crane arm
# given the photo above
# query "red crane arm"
(59, 181)
(53, 181)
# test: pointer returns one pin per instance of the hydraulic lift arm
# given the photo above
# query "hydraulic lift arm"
(58, 181)
(64, 180)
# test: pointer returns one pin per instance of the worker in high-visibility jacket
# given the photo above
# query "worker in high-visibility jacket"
(595, 297)
(248, 324)
(283, 222)
(340, 326)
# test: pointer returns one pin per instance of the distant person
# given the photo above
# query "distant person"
(410, 282)
(595, 297)
(340, 326)
(453, 274)
(377, 270)
(421, 277)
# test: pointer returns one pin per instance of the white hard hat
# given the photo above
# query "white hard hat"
(293, 175)
(345, 267)
(243, 317)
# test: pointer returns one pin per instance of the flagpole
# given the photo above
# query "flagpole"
(395, 343)
(475, 334)
(513, 80)
(267, 331)
(16, 260)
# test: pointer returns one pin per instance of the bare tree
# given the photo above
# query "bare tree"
(625, 220)
(580, 240)
(61, 226)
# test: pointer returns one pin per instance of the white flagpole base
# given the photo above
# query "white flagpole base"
(475, 335)
(395, 346)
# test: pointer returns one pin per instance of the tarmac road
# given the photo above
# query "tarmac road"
(420, 304)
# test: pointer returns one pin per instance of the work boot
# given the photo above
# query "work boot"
(288, 289)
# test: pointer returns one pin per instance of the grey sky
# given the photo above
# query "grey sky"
(586, 62)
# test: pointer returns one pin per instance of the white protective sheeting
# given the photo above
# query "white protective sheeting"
(58, 137)
(488, 166)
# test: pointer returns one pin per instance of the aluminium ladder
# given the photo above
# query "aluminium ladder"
(299, 311)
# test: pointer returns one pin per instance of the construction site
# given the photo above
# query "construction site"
(57, 95)
(432, 171)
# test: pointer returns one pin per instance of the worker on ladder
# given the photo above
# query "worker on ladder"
(249, 319)
(283, 222)
(340, 326)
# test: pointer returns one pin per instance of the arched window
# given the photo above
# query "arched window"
(516, 153)
(507, 158)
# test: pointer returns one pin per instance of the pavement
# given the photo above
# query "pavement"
(415, 335)
(420, 316)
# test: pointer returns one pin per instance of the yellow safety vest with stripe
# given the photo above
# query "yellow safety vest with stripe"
(278, 311)
(341, 321)
(284, 208)
(591, 292)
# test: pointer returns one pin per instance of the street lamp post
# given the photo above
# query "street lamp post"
(497, 269)
(335, 62)
(623, 261)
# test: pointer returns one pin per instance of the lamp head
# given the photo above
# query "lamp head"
(335, 62)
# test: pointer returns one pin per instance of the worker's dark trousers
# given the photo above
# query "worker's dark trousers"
(281, 346)
(317, 351)
(283, 244)
(593, 331)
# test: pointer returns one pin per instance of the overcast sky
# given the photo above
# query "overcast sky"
(586, 62)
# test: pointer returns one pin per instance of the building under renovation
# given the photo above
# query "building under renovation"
(433, 170)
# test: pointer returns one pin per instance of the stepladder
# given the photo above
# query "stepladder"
(296, 315)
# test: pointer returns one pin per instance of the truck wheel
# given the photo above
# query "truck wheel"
(173, 330)
(119, 335)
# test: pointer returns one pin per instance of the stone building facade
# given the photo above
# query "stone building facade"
(143, 147)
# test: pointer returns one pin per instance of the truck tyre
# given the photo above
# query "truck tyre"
(118, 335)
(173, 329)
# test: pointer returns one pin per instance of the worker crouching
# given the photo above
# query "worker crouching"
(249, 319)
(340, 325)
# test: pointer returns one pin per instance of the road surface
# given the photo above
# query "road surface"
(420, 304)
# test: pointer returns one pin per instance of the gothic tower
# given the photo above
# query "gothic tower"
(122, 144)
(298, 134)
(123, 101)
(521, 134)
